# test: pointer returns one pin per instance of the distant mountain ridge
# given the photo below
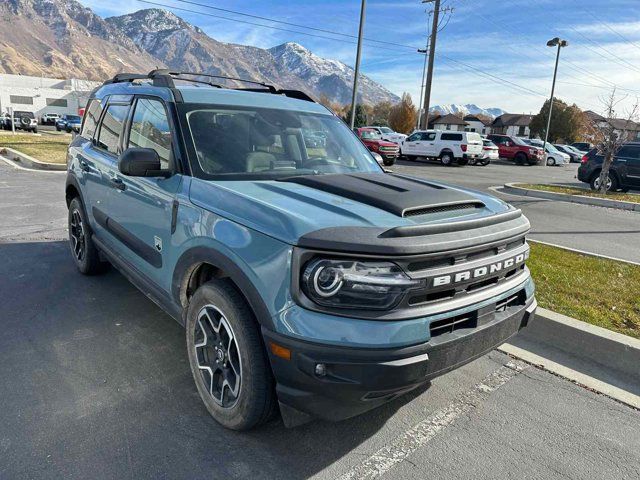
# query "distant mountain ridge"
(62, 38)
(468, 109)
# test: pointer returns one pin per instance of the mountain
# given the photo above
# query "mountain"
(61, 38)
(185, 47)
(467, 109)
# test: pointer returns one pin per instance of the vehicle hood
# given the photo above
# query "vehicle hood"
(380, 143)
(291, 208)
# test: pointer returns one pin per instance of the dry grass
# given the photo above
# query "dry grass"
(599, 291)
(46, 148)
(625, 197)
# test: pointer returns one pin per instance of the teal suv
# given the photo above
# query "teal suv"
(308, 279)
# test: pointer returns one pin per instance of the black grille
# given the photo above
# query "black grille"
(443, 208)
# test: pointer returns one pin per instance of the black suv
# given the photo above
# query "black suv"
(624, 172)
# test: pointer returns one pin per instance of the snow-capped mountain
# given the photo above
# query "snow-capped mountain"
(183, 46)
(467, 109)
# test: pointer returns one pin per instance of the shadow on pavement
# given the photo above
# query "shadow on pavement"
(96, 383)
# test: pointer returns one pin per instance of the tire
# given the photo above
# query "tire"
(521, 158)
(484, 162)
(245, 368)
(446, 158)
(57, 128)
(551, 162)
(83, 251)
(389, 163)
(35, 130)
(473, 161)
(595, 182)
(463, 161)
(411, 158)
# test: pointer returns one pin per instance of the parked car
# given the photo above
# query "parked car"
(315, 282)
(553, 156)
(489, 152)
(389, 135)
(624, 172)
(49, 118)
(21, 121)
(69, 123)
(389, 151)
(448, 147)
(516, 149)
(574, 155)
(582, 146)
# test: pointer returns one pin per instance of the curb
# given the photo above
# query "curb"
(594, 357)
(513, 188)
(30, 162)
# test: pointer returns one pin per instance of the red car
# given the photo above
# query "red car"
(373, 141)
(513, 148)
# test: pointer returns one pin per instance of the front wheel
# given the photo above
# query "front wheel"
(520, 158)
(612, 183)
(389, 163)
(227, 358)
(83, 250)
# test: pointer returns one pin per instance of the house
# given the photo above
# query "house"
(475, 124)
(630, 130)
(516, 124)
(446, 122)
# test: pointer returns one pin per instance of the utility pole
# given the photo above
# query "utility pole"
(356, 73)
(432, 51)
(552, 43)
(424, 71)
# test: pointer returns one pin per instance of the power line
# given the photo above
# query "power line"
(282, 22)
(630, 42)
(630, 65)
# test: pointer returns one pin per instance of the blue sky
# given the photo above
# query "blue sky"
(505, 39)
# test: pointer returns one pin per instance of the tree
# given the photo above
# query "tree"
(380, 113)
(567, 122)
(611, 133)
(361, 117)
(402, 117)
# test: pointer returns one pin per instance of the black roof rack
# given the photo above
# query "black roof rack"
(165, 78)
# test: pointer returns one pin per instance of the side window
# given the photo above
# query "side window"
(111, 128)
(91, 117)
(429, 136)
(627, 151)
(413, 137)
(452, 137)
(150, 129)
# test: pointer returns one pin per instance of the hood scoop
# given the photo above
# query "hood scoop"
(399, 195)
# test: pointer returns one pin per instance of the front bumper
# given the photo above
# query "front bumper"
(356, 380)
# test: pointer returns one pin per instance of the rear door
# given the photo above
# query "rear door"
(628, 158)
(144, 208)
(474, 144)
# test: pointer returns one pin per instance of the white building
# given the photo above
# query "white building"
(43, 95)
(446, 122)
(475, 124)
(514, 124)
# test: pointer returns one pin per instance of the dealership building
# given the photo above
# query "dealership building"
(42, 95)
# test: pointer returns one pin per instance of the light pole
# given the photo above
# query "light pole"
(552, 43)
(356, 73)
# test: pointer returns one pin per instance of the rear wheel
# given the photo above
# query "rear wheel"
(484, 162)
(83, 250)
(227, 358)
(446, 158)
(612, 183)
(551, 161)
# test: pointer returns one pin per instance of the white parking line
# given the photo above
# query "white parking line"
(419, 435)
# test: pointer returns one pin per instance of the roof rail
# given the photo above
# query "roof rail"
(165, 78)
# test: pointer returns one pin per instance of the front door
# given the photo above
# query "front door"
(142, 207)
(409, 146)
(630, 155)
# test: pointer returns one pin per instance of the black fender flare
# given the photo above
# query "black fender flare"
(198, 255)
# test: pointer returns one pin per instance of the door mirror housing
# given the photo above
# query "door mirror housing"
(507, 144)
(141, 162)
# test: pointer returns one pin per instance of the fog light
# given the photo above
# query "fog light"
(321, 369)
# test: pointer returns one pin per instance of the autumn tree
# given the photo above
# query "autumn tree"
(380, 113)
(611, 133)
(566, 122)
(402, 117)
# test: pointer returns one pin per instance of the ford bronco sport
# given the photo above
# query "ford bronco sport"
(305, 277)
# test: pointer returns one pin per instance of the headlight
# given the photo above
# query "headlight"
(355, 284)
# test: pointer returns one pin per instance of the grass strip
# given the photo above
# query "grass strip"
(46, 148)
(625, 197)
(595, 290)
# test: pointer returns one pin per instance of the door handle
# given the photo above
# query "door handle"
(117, 183)
(84, 166)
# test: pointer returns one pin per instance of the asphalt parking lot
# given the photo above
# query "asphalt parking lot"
(96, 383)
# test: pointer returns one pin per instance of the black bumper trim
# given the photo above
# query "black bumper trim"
(360, 379)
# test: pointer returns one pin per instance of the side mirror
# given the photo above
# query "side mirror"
(507, 144)
(141, 162)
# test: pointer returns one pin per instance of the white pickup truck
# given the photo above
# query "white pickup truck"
(447, 146)
(389, 135)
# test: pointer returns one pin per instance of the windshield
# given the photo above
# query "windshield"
(386, 130)
(370, 135)
(73, 118)
(255, 143)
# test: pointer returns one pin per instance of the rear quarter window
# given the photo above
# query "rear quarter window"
(91, 118)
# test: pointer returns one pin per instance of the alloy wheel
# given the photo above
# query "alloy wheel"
(78, 244)
(218, 356)
(596, 183)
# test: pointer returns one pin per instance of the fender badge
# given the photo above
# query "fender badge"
(157, 242)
